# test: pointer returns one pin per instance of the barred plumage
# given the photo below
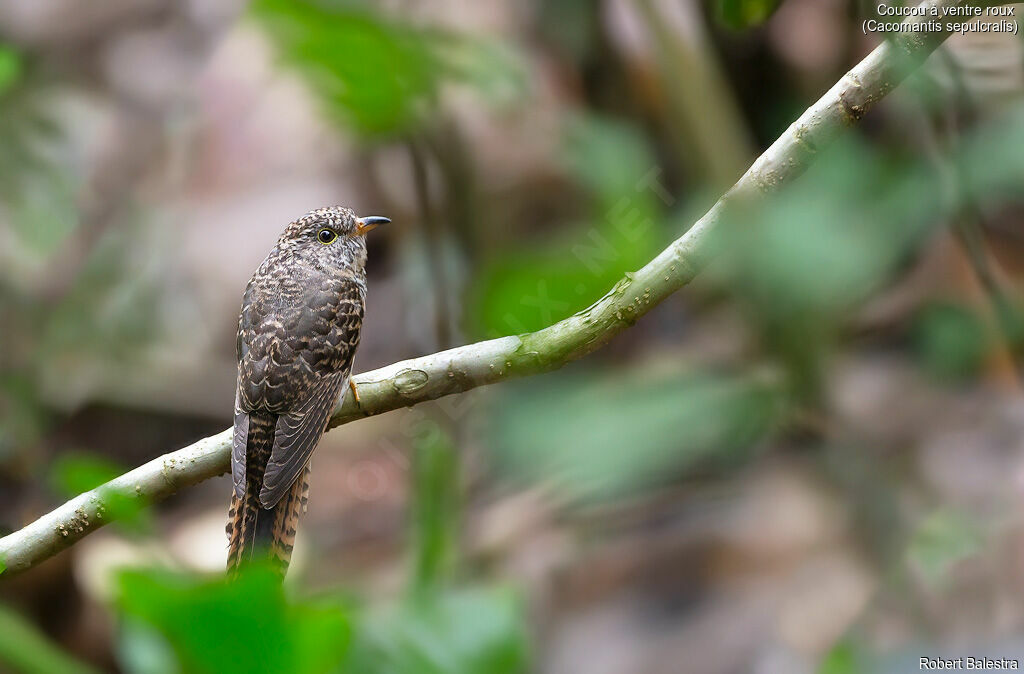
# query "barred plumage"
(297, 335)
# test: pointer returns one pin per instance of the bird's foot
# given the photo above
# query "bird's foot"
(355, 394)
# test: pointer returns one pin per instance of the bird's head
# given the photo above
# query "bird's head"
(334, 237)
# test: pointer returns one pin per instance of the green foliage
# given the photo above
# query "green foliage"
(110, 309)
(742, 14)
(244, 625)
(73, 474)
(141, 649)
(434, 510)
(801, 260)
(806, 256)
(529, 287)
(571, 25)
(823, 243)
(951, 341)
(376, 75)
(11, 68)
(603, 436)
(26, 128)
(44, 213)
(472, 631)
(373, 73)
(843, 658)
(991, 160)
(173, 623)
(943, 539)
(24, 419)
(26, 650)
(180, 623)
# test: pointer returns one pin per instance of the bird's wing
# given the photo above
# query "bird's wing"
(238, 442)
(297, 435)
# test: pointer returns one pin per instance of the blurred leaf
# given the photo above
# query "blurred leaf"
(23, 417)
(545, 281)
(110, 311)
(610, 158)
(434, 510)
(493, 69)
(27, 133)
(944, 538)
(570, 25)
(45, 213)
(844, 658)
(73, 474)
(991, 159)
(832, 236)
(10, 68)
(143, 650)
(951, 341)
(373, 74)
(243, 625)
(26, 650)
(601, 436)
(380, 76)
(479, 631)
(740, 14)
(800, 259)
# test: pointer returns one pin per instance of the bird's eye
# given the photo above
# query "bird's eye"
(327, 236)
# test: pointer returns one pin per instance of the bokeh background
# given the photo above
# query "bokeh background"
(811, 459)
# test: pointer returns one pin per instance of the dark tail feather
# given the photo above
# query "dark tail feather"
(255, 533)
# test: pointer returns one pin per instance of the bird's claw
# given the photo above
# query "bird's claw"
(355, 394)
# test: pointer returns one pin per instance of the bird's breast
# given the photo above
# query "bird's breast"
(293, 330)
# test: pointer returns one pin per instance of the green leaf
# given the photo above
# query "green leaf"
(842, 659)
(944, 538)
(74, 474)
(373, 74)
(741, 14)
(951, 341)
(28, 651)
(141, 649)
(244, 625)
(493, 69)
(10, 68)
(601, 436)
(527, 287)
(477, 631)
(43, 219)
(802, 258)
(26, 417)
(434, 510)
(378, 75)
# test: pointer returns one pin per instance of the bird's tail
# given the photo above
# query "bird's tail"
(256, 533)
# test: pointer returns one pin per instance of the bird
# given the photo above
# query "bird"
(298, 331)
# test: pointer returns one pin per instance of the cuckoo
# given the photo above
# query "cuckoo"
(302, 313)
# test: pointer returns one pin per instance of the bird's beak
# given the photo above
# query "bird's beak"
(364, 225)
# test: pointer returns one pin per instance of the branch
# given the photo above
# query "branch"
(460, 369)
